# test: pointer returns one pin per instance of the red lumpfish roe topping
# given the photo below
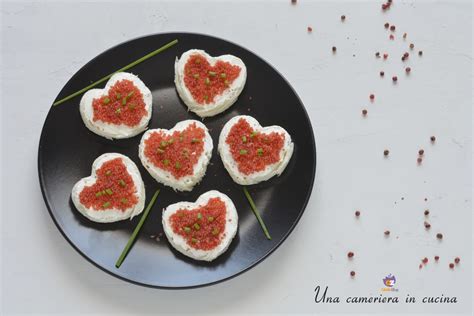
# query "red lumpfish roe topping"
(178, 152)
(253, 151)
(203, 227)
(204, 81)
(114, 188)
(122, 105)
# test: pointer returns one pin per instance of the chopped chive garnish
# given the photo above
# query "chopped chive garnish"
(210, 219)
(181, 136)
(160, 151)
(171, 141)
(223, 75)
(260, 151)
(253, 134)
(117, 111)
(244, 139)
(109, 191)
(124, 201)
(196, 226)
(130, 94)
(212, 73)
(187, 229)
(98, 194)
(118, 96)
(106, 204)
(206, 97)
(196, 76)
(166, 162)
(108, 173)
(215, 231)
(122, 183)
(243, 152)
(255, 211)
(106, 101)
(195, 140)
(208, 82)
(177, 165)
(226, 82)
(103, 79)
(124, 101)
(199, 216)
(194, 240)
(131, 106)
(163, 144)
(137, 229)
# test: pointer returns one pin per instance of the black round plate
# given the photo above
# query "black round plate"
(67, 149)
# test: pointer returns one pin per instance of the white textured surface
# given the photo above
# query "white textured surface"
(44, 44)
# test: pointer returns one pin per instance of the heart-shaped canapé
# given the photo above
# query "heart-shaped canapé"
(252, 153)
(121, 110)
(177, 157)
(202, 230)
(209, 85)
(114, 191)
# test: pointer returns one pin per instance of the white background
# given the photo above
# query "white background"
(43, 44)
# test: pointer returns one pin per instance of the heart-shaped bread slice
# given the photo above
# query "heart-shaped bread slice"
(252, 153)
(121, 110)
(113, 192)
(209, 85)
(177, 157)
(202, 230)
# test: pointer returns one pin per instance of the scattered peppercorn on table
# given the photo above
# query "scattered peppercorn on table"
(393, 187)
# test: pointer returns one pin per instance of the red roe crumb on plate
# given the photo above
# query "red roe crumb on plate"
(202, 227)
(122, 105)
(204, 81)
(177, 152)
(114, 188)
(253, 151)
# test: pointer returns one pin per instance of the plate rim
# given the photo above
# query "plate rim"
(250, 266)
